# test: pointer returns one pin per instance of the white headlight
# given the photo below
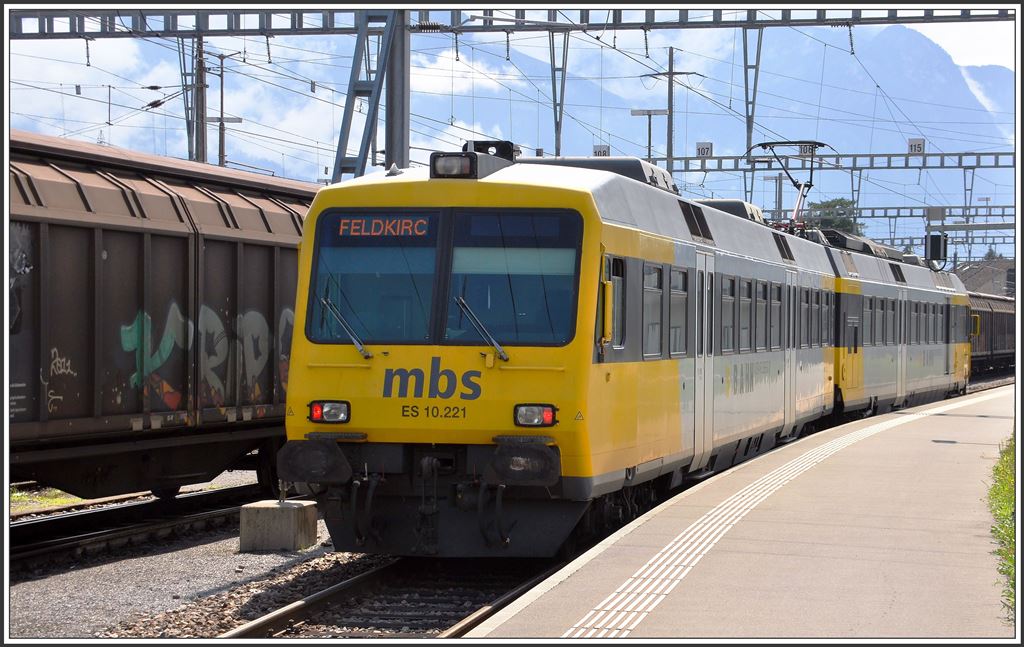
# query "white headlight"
(335, 411)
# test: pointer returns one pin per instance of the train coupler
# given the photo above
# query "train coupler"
(426, 529)
(484, 523)
(362, 523)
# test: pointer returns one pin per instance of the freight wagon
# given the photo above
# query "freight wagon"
(151, 314)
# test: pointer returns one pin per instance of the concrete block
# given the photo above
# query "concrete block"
(276, 525)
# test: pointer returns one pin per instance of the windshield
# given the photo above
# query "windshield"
(517, 272)
(378, 271)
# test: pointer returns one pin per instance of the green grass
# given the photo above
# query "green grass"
(24, 500)
(1002, 500)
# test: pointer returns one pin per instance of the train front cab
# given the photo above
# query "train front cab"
(426, 453)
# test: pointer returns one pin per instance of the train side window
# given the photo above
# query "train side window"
(926, 338)
(710, 300)
(922, 320)
(746, 302)
(879, 321)
(776, 316)
(677, 312)
(805, 317)
(618, 303)
(816, 318)
(826, 320)
(931, 324)
(652, 311)
(728, 313)
(868, 320)
(699, 319)
(882, 328)
(914, 312)
(761, 313)
(890, 323)
(932, 328)
(951, 328)
(944, 323)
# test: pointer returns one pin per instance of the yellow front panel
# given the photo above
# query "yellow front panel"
(451, 394)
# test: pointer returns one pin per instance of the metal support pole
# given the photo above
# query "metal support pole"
(397, 98)
(200, 116)
(558, 86)
(750, 88)
(221, 156)
(968, 196)
(188, 80)
(668, 135)
(778, 194)
(636, 112)
(648, 137)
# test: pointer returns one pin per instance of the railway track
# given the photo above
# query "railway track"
(405, 598)
(88, 532)
(991, 381)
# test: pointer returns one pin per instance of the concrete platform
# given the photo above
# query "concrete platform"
(876, 529)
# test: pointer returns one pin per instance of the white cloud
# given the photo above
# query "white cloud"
(442, 73)
(980, 43)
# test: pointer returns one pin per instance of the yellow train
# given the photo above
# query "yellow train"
(500, 355)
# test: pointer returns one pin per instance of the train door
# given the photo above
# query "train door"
(901, 346)
(704, 371)
(792, 341)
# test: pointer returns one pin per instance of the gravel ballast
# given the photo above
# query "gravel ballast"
(196, 587)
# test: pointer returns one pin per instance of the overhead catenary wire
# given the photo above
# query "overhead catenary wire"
(897, 123)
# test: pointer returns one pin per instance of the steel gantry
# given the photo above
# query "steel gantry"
(862, 213)
(87, 22)
(394, 61)
(386, 64)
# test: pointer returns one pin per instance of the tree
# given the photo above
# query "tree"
(992, 255)
(835, 214)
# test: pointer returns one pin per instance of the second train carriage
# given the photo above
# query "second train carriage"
(994, 343)
(494, 353)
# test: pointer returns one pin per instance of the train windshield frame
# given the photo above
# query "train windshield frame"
(393, 276)
(377, 270)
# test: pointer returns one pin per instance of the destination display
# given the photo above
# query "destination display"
(414, 229)
(384, 226)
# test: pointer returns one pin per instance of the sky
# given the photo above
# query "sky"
(482, 90)
(974, 44)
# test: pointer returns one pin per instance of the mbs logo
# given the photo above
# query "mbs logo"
(442, 383)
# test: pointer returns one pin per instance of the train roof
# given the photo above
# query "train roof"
(49, 147)
(623, 193)
(59, 180)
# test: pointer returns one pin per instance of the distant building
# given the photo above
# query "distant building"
(998, 276)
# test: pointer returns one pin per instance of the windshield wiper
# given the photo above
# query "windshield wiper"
(473, 319)
(329, 305)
